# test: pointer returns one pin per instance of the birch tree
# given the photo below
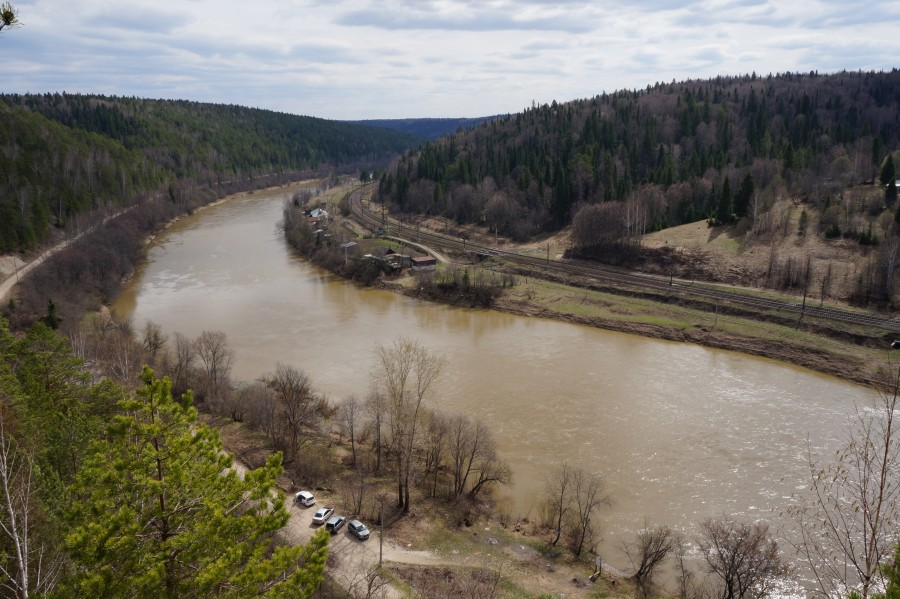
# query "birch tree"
(32, 566)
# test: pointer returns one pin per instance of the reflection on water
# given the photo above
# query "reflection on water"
(679, 431)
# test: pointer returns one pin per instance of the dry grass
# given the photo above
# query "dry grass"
(740, 256)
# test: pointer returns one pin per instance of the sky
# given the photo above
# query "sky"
(368, 59)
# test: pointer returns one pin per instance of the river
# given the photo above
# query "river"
(679, 432)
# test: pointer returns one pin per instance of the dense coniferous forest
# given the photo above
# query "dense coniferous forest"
(64, 154)
(672, 153)
(427, 128)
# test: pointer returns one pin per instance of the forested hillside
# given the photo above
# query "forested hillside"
(426, 128)
(62, 154)
(669, 154)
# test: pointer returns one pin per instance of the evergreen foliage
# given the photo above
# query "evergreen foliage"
(891, 572)
(129, 496)
(65, 154)
(160, 512)
(679, 141)
(426, 128)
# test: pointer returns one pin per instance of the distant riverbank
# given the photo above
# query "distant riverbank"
(545, 299)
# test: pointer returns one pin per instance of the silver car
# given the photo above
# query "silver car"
(358, 529)
(335, 524)
(322, 514)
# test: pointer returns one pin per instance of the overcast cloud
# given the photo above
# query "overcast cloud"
(358, 59)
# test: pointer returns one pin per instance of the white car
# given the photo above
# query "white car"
(322, 514)
(305, 498)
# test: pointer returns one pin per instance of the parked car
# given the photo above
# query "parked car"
(322, 514)
(358, 529)
(305, 498)
(335, 524)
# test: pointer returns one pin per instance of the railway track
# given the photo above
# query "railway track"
(609, 274)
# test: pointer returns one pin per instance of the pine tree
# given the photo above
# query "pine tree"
(159, 511)
(891, 571)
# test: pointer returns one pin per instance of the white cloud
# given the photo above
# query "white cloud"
(407, 58)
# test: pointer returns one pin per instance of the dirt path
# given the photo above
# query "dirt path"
(22, 267)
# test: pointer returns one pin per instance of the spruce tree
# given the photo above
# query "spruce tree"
(725, 212)
(743, 196)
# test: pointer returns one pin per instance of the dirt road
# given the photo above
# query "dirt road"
(350, 559)
(15, 269)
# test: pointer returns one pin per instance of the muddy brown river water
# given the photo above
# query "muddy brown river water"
(680, 432)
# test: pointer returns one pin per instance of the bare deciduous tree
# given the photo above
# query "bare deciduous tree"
(262, 407)
(377, 410)
(112, 349)
(588, 496)
(349, 414)
(649, 549)
(468, 445)
(300, 407)
(558, 488)
(680, 547)
(181, 364)
(213, 351)
(154, 340)
(405, 374)
(492, 471)
(235, 402)
(890, 252)
(367, 582)
(353, 489)
(848, 519)
(436, 433)
(31, 566)
(125, 356)
(743, 556)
